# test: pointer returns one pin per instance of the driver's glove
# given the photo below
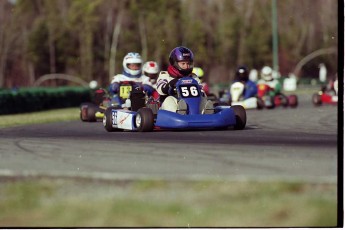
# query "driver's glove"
(169, 87)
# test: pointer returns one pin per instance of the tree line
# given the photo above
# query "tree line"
(89, 39)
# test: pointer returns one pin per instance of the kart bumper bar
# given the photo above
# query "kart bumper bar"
(223, 118)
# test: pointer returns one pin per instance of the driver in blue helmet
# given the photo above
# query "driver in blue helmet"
(181, 63)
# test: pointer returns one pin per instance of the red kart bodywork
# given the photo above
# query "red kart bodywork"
(324, 97)
(278, 99)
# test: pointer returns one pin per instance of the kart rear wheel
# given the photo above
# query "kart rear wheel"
(241, 117)
(269, 102)
(293, 101)
(284, 100)
(144, 120)
(108, 120)
(316, 99)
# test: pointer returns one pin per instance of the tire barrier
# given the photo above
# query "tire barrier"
(24, 100)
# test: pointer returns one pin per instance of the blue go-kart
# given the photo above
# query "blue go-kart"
(193, 115)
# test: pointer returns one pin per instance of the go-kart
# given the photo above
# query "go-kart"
(236, 97)
(270, 100)
(94, 111)
(90, 111)
(193, 115)
(324, 97)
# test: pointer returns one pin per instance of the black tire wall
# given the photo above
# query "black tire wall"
(41, 98)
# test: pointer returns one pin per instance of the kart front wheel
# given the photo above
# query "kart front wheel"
(241, 117)
(144, 120)
(316, 99)
(108, 120)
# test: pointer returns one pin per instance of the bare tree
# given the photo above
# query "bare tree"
(115, 38)
(9, 33)
(246, 9)
(83, 37)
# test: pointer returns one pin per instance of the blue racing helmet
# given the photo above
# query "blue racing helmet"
(179, 54)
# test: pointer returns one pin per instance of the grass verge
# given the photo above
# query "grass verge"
(72, 203)
(67, 114)
(44, 202)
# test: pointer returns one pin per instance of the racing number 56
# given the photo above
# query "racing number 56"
(114, 117)
(189, 91)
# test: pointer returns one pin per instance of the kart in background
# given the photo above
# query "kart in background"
(324, 97)
(192, 115)
(279, 99)
(94, 111)
(236, 97)
(89, 111)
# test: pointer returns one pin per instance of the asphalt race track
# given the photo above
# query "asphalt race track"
(280, 144)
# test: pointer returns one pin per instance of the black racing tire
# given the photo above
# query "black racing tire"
(260, 104)
(271, 102)
(241, 117)
(83, 112)
(144, 120)
(293, 101)
(221, 103)
(316, 99)
(88, 111)
(107, 120)
(285, 102)
(92, 112)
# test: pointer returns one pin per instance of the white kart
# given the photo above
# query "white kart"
(236, 92)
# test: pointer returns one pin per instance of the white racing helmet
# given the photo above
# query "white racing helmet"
(151, 70)
(132, 58)
(151, 67)
(267, 73)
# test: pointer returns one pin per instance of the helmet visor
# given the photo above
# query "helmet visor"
(134, 66)
(241, 71)
(185, 64)
(152, 75)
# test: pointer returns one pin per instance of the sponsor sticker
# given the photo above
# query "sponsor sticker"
(187, 81)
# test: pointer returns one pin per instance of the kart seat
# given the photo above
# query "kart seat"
(137, 100)
(182, 107)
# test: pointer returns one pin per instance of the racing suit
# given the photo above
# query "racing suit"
(274, 85)
(141, 83)
(250, 89)
(165, 86)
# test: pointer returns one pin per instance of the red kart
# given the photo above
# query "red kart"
(323, 97)
(279, 99)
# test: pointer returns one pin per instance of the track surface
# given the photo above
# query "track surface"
(280, 144)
